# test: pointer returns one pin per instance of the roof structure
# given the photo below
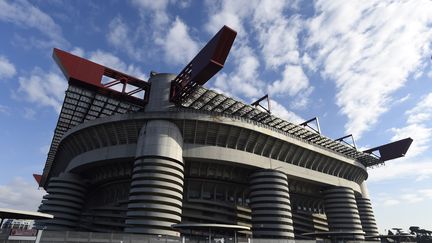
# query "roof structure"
(209, 100)
(212, 226)
(81, 105)
(6, 213)
(88, 97)
(204, 66)
(336, 234)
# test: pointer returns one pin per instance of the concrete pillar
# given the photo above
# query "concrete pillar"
(65, 199)
(159, 92)
(270, 205)
(342, 212)
(367, 217)
(156, 192)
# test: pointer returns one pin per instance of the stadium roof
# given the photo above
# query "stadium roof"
(81, 105)
(6, 213)
(209, 100)
(88, 97)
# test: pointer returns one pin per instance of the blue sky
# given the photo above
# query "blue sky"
(362, 67)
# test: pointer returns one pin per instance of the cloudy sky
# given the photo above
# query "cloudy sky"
(362, 67)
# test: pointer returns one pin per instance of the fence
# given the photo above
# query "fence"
(94, 237)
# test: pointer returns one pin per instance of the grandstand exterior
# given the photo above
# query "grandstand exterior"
(149, 165)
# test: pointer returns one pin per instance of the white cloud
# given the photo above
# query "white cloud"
(185, 3)
(411, 198)
(402, 196)
(4, 110)
(243, 80)
(120, 36)
(280, 111)
(24, 14)
(20, 194)
(278, 47)
(42, 88)
(369, 49)
(230, 13)
(390, 202)
(419, 130)
(277, 35)
(426, 193)
(78, 51)
(278, 38)
(403, 99)
(422, 112)
(417, 126)
(407, 167)
(7, 69)
(152, 5)
(110, 60)
(420, 133)
(307, 62)
(29, 113)
(172, 37)
(44, 149)
(178, 46)
(157, 10)
(293, 81)
(429, 74)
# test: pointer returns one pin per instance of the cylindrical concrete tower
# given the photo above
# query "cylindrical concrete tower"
(270, 205)
(64, 200)
(156, 192)
(159, 93)
(366, 213)
(342, 213)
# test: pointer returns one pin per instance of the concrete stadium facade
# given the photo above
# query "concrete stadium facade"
(164, 165)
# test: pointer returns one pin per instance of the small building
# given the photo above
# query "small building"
(17, 224)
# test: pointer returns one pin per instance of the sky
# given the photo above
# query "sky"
(361, 67)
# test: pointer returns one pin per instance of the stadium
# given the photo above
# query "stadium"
(168, 157)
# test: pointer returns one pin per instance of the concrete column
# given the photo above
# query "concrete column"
(342, 212)
(270, 205)
(367, 217)
(159, 92)
(64, 200)
(156, 192)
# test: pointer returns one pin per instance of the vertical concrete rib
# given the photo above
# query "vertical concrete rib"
(367, 217)
(342, 212)
(64, 200)
(270, 205)
(156, 193)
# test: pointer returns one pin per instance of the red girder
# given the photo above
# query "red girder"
(204, 65)
(82, 72)
(37, 178)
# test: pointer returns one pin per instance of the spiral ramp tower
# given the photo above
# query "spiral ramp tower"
(367, 217)
(156, 193)
(270, 205)
(65, 199)
(186, 156)
(342, 212)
